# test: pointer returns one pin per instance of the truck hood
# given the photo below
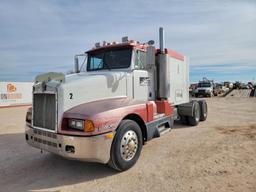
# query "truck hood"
(86, 87)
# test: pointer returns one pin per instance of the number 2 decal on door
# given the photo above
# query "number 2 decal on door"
(70, 95)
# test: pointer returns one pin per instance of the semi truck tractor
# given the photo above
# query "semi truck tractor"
(127, 94)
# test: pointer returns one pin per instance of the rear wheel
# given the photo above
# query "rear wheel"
(126, 146)
(195, 118)
(184, 120)
(203, 110)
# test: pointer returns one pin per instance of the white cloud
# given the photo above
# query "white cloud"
(46, 34)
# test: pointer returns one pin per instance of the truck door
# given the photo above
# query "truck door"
(143, 80)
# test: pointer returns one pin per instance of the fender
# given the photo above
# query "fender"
(106, 114)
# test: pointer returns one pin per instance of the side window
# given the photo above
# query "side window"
(140, 60)
(96, 61)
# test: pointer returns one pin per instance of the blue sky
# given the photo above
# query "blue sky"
(41, 36)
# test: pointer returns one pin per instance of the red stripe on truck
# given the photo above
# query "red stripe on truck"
(173, 54)
(150, 112)
(164, 107)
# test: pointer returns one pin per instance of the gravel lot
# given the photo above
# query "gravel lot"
(218, 155)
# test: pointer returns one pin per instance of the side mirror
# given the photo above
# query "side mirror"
(76, 67)
(150, 57)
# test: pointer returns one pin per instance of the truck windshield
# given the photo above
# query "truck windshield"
(109, 59)
(204, 85)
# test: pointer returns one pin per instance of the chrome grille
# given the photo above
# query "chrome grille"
(44, 111)
(50, 143)
(201, 91)
(45, 133)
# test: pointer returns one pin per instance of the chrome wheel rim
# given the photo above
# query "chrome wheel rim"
(205, 110)
(129, 145)
(197, 115)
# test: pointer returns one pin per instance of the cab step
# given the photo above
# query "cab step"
(163, 129)
(159, 126)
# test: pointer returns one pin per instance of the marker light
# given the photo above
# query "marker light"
(124, 39)
(97, 45)
(88, 126)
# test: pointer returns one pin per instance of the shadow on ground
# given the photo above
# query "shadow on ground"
(179, 125)
(25, 168)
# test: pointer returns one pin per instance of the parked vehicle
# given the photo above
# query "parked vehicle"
(205, 88)
(225, 89)
(128, 94)
(245, 86)
(219, 89)
(237, 85)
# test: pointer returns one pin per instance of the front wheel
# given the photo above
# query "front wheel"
(126, 146)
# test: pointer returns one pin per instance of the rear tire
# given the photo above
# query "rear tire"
(203, 110)
(184, 120)
(126, 146)
(194, 120)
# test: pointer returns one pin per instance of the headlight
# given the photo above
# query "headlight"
(76, 124)
(208, 91)
(82, 125)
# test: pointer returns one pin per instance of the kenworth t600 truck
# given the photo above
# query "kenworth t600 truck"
(127, 94)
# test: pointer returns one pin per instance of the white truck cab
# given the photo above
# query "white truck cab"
(127, 94)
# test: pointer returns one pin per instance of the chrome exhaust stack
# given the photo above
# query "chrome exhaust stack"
(161, 40)
(163, 69)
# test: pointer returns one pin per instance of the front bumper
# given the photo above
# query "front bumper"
(203, 93)
(91, 149)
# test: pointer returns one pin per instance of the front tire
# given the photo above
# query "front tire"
(126, 146)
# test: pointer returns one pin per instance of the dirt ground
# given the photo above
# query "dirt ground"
(218, 155)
